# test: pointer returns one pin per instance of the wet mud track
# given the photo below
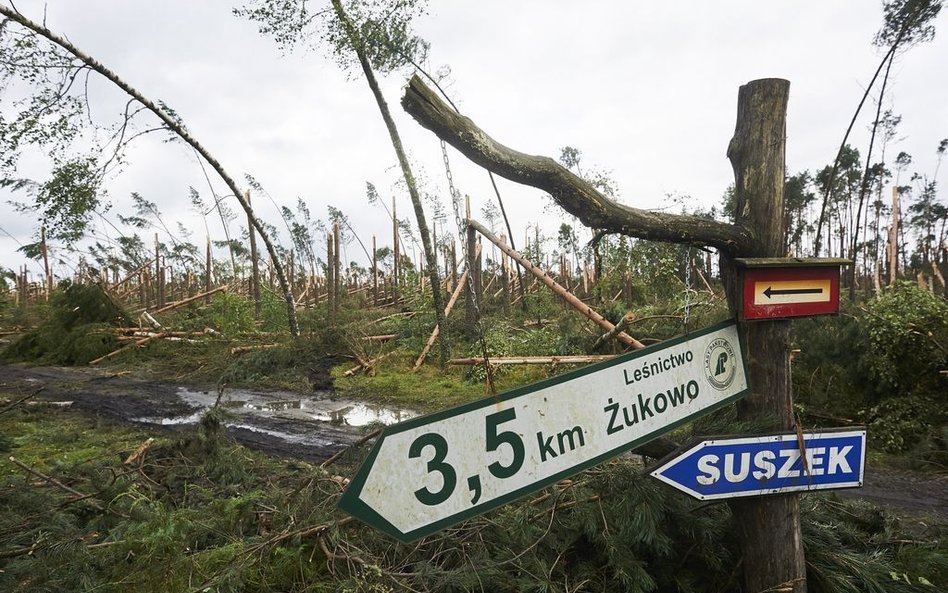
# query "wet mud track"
(316, 425)
(310, 426)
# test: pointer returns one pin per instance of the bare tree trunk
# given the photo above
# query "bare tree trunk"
(330, 283)
(570, 192)
(337, 269)
(375, 274)
(894, 236)
(396, 252)
(208, 267)
(768, 527)
(827, 189)
(864, 185)
(176, 126)
(472, 318)
(49, 276)
(255, 267)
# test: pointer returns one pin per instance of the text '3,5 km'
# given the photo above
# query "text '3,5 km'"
(431, 472)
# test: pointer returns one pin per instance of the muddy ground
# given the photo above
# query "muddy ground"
(314, 426)
(311, 426)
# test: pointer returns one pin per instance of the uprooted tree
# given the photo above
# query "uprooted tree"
(770, 526)
(75, 61)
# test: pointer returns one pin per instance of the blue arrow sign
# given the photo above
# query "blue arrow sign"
(752, 466)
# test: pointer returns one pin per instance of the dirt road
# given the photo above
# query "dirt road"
(316, 425)
(309, 426)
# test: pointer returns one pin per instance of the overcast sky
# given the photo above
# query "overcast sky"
(646, 90)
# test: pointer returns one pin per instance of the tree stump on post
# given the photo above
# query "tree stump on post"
(769, 527)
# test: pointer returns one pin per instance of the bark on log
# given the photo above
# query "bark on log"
(183, 302)
(245, 349)
(575, 195)
(574, 359)
(542, 276)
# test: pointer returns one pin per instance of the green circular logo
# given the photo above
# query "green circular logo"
(720, 364)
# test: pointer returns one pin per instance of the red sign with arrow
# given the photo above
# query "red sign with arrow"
(777, 292)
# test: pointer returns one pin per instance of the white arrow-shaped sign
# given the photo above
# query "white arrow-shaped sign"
(431, 472)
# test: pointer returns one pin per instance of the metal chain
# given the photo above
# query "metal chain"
(687, 312)
(472, 292)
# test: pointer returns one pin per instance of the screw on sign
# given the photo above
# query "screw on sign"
(429, 473)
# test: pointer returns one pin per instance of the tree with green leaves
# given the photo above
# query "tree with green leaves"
(905, 23)
(53, 117)
(378, 35)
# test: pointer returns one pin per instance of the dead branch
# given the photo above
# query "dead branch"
(379, 338)
(508, 360)
(20, 401)
(138, 344)
(408, 314)
(244, 349)
(358, 443)
(183, 302)
(367, 364)
(53, 481)
(139, 451)
(625, 322)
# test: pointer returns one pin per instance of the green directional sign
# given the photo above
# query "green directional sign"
(430, 472)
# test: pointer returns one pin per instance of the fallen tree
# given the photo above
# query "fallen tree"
(572, 193)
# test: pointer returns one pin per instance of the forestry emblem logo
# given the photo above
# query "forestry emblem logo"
(720, 364)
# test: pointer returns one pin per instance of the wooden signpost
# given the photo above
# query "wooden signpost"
(768, 527)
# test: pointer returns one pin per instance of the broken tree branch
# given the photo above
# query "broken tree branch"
(625, 322)
(20, 401)
(573, 194)
(495, 360)
(53, 481)
(447, 311)
(557, 289)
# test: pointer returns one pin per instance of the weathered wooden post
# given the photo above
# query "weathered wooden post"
(769, 527)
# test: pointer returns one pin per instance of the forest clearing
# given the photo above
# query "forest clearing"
(746, 397)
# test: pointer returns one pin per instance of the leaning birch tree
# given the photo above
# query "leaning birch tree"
(378, 35)
(26, 55)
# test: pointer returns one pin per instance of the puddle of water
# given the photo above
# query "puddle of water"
(278, 405)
